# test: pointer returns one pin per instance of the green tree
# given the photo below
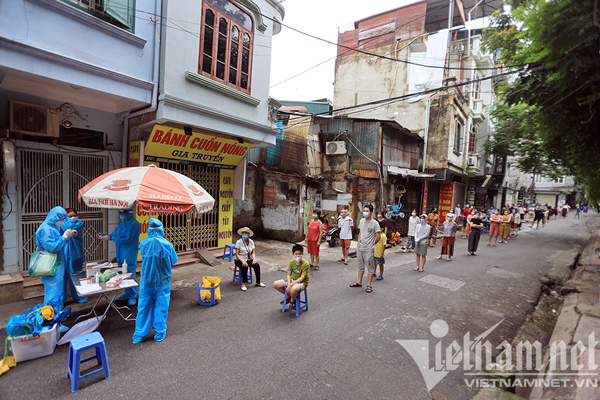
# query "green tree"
(547, 114)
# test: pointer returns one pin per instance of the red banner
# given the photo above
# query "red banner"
(425, 188)
(446, 190)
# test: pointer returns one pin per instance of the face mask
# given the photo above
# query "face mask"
(60, 223)
(413, 214)
(298, 259)
(73, 219)
(245, 237)
(379, 215)
(496, 212)
(314, 216)
(366, 214)
(423, 221)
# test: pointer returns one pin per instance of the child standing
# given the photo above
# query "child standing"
(379, 252)
(515, 224)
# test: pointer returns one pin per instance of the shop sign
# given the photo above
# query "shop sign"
(134, 154)
(166, 144)
(269, 195)
(425, 188)
(225, 207)
(446, 190)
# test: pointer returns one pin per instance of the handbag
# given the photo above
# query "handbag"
(42, 263)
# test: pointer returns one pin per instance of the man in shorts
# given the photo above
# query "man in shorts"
(369, 236)
(346, 226)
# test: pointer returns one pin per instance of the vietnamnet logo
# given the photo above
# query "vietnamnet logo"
(569, 365)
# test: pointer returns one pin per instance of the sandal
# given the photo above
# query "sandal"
(355, 284)
(369, 289)
(416, 269)
(345, 262)
(421, 270)
(286, 301)
(341, 260)
(316, 267)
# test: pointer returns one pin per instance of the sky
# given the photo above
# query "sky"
(293, 53)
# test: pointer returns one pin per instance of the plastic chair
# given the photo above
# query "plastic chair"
(212, 300)
(237, 275)
(300, 304)
(78, 345)
(228, 251)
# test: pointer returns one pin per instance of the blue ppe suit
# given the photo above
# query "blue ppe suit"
(48, 237)
(158, 256)
(127, 237)
(74, 256)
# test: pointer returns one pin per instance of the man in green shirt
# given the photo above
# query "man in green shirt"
(296, 281)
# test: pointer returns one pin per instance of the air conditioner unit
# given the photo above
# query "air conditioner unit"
(471, 160)
(335, 148)
(34, 120)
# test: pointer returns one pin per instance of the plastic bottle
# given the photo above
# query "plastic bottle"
(124, 267)
(97, 277)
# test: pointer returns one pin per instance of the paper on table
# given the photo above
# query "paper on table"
(85, 289)
(128, 283)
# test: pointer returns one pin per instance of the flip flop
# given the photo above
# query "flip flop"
(380, 278)
(415, 269)
(341, 260)
(369, 289)
(345, 262)
(355, 284)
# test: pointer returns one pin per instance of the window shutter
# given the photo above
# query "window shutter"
(121, 10)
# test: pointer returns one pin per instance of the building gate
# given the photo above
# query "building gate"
(191, 230)
(49, 179)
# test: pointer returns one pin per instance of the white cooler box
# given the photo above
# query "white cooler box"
(27, 348)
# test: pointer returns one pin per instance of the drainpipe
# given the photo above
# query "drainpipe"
(155, 70)
(469, 30)
(426, 135)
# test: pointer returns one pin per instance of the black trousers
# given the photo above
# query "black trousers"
(474, 236)
(244, 271)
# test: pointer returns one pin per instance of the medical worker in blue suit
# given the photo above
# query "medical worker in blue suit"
(127, 238)
(73, 251)
(49, 238)
(158, 256)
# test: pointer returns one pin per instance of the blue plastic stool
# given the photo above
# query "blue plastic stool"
(228, 251)
(78, 345)
(212, 300)
(483, 229)
(237, 275)
(300, 304)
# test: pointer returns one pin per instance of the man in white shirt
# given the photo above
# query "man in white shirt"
(346, 226)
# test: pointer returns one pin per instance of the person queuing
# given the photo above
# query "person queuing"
(383, 223)
(369, 236)
(422, 234)
(245, 256)
(433, 220)
(346, 225)
(313, 238)
(539, 215)
(505, 222)
(127, 237)
(468, 222)
(73, 251)
(475, 233)
(466, 214)
(48, 238)
(158, 256)
(495, 220)
(516, 223)
(379, 252)
(450, 228)
(413, 221)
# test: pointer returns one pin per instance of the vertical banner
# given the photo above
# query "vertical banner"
(225, 206)
(425, 188)
(134, 154)
(446, 191)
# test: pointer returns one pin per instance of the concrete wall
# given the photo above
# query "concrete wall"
(282, 220)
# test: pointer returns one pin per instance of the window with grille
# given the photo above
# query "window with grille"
(472, 142)
(458, 135)
(118, 12)
(226, 44)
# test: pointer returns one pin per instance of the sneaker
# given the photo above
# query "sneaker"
(287, 301)
(292, 305)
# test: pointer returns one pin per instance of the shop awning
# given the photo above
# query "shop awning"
(488, 180)
(408, 172)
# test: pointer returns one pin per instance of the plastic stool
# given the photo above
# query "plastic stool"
(228, 251)
(212, 300)
(483, 230)
(237, 275)
(300, 304)
(78, 345)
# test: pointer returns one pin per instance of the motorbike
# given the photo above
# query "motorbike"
(333, 235)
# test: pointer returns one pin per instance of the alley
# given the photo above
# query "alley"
(343, 347)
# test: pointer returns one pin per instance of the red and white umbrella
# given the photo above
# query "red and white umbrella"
(155, 189)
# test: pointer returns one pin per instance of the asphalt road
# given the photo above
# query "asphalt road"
(344, 347)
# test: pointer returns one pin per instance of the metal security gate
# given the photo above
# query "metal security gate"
(191, 230)
(49, 179)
